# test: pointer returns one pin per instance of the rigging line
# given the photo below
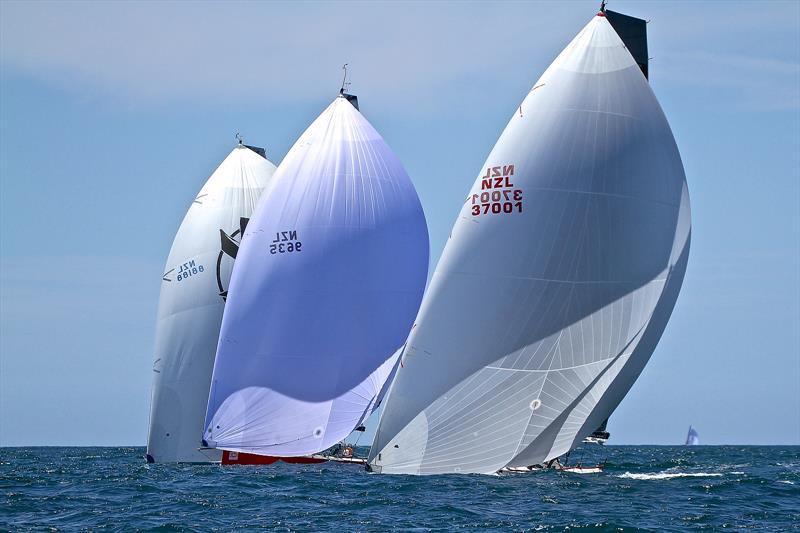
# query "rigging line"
(344, 78)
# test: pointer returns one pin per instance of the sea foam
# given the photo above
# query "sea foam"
(667, 475)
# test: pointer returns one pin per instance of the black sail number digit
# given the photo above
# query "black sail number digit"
(285, 242)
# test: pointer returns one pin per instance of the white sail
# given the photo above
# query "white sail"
(604, 397)
(692, 437)
(192, 300)
(558, 279)
(326, 286)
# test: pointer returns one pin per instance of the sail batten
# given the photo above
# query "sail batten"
(557, 281)
(328, 280)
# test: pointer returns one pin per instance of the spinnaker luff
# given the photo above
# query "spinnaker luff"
(192, 299)
(327, 283)
(559, 277)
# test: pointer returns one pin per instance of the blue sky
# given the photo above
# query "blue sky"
(112, 115)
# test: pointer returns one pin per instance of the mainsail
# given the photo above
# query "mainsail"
(327, 283)
(692, 437)
(192, 300)
(558, 279)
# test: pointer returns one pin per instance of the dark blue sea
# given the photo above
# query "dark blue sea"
(643, 488)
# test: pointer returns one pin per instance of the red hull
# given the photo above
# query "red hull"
(240, 458)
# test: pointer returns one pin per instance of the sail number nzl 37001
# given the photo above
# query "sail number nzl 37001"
(498, 194)
(285, 242)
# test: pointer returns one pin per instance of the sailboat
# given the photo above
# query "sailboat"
(692, 437)
(327, 282)
(558, 279)
(193, 290)
(599, 435)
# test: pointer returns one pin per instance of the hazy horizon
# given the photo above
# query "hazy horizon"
(112, 115)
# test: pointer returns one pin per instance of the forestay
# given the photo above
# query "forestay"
(558, 279)
(326, 286)
(192, 300)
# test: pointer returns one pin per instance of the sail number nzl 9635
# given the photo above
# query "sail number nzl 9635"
(285, 242)
(498, 194)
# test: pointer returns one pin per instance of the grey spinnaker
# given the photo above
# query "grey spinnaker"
(559, 277)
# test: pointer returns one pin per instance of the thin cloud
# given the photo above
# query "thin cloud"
(134, 54)
(748, 82)
(165, 52)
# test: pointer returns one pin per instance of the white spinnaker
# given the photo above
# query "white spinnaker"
(603, 398)
(191, 304)
(326, 286)
(550, 294)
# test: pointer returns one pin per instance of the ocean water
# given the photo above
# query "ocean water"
(654, 488)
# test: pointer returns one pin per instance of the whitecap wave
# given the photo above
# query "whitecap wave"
(668, 475)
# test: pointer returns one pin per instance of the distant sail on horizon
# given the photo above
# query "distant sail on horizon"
(327, 283)
(558, 280)
(692, 437)
(192, 300)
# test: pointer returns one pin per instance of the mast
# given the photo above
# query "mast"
(353, 99)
